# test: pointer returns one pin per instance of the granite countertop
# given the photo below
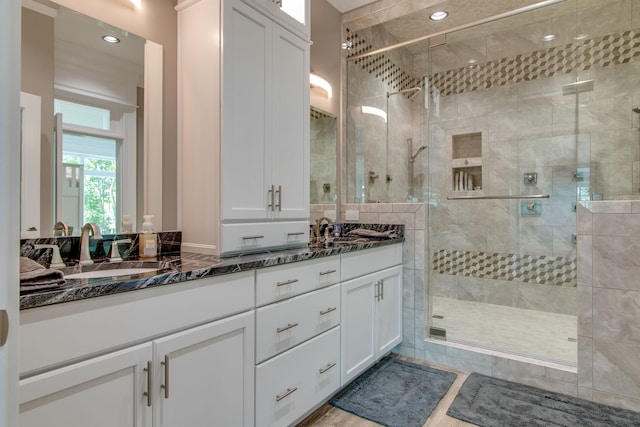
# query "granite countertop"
(173, 269)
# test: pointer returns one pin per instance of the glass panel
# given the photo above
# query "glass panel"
(324, 141)
(503, 123)
(385, 157)
(83, 115)
(295, 9)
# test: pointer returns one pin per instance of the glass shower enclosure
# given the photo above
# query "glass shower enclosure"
(523, 116)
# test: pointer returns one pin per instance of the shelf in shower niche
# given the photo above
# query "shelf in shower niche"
(466, 162)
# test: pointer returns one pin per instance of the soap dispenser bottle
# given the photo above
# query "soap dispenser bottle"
(148, 238)
(127, 227)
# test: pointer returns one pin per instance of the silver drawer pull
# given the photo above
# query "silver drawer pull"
(287, 282)
(289, 391)
(327, 311)
(286, 328)
(326, 368)
(324, 273)
(296, 234)
(252, 237)
(165, 386)
(149, 392)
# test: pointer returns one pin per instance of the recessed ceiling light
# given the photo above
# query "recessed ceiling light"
(439, 15)
(110, 39)
(549, 37)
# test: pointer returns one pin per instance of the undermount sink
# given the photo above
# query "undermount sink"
(116, 272)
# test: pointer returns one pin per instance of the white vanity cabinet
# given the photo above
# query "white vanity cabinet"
(297, 339)
(167, 356)
(244, 133)
(265, 156)
(104, 391)
(204, 376)
(371, 307)
(294, 15)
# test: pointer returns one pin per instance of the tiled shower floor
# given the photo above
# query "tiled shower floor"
(527, 332)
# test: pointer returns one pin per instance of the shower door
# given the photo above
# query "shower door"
(507, 165)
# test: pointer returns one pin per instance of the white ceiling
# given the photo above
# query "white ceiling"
(347, 5)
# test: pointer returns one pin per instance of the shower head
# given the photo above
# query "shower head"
(415, 91)
(636, 110)
(413, 158)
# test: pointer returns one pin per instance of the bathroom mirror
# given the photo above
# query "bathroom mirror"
(324, 139)
(101, 129)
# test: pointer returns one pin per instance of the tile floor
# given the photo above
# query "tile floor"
(525, 332)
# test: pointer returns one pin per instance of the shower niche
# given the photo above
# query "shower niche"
(466, 161)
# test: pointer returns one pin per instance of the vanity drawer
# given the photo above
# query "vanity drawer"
(254, 237)
(283, 325)
(359, 263)
(286, 281)
(293, 383)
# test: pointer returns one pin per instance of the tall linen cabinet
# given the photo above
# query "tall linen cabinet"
(243, 129)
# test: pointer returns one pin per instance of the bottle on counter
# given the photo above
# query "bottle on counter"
(148, 238)
(127, 227)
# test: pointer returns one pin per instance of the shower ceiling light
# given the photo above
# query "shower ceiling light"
(110, 39)
(317, 81)
(136, 3)
(549, 37)
(439, 15)
(375, 111)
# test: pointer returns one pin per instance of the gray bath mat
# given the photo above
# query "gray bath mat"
(489, 402)
(395, 393)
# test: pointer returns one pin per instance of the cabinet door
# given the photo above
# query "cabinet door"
(205, 375)
(247, 126)
(290, 107)
(358, 322)
(388, 310)
(105, 391)
(293, 14)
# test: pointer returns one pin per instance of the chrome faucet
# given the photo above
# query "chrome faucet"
(88, 229)
(316, 231)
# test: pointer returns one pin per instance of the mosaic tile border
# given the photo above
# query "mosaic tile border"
(605, 51)
(612, 49)
(380, 66)
(317, 114)
(544, 270)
